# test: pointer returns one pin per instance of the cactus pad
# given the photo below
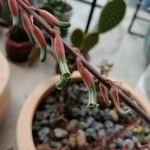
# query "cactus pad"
(111, 15)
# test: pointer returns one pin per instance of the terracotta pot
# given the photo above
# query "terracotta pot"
(17, 51)
(24, 126)
(4, 87)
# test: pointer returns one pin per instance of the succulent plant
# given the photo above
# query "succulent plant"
(111, 15)
(84, 41)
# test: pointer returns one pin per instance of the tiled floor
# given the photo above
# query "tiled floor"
(119, 47)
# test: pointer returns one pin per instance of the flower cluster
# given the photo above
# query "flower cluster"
(37, 37)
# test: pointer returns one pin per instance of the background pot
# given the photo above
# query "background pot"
(25, 140)
(17, 51)
(4, 87)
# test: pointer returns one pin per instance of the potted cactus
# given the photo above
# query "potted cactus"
(51, 117)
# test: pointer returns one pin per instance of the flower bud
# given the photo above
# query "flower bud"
(13, 7)
(115, 98)
(28, 27)
(104, 94)
(40, 40)
(58, 48)
(51, 19)
(89, 82)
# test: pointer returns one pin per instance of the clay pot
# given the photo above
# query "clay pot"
(17, 51)
(4, 87)
(24, 125)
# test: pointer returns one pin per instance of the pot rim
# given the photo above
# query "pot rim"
(24, 124)
(5, 78)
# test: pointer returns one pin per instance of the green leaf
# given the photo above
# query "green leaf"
(111, 15)
(77, 37)
(90, 40)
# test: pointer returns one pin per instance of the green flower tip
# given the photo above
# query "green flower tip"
(63, 81)
(92, 105)
(64, 24)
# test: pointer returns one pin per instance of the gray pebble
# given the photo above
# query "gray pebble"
(83, 111)
(75, 112)
(110, 131)
(73, 125)
(109, 124)
(43, 133)
(118, 127)
(97, 126)
(119, 143)
(147, 130)
(130, 143)
(90, 121)
(90, 132)
(60, 133)
(83, 125)
(128, 134)
(102, 133)
(55, 144)
(36, 126)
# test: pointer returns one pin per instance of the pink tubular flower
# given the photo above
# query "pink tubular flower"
(58, 48)
(51, 19)
(40, 40)
(13, 7)
(104, 94)
(59, 52)
(89, 82)
(39, 37)
(85, 74)
(115, 98)
(27, 23)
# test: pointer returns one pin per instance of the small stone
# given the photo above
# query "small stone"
(81, 138)
(129, 143)
(36, 126)
(90, 132)
(83, 111)
(90, 121)
(43, 147)
(119, 143)
(64, 141)
(113, 115)
(118, 127)
(39, 115)
(83, 125)
(147, 138)
(110, 131)
(55, 144)
(109, 124)
(128, 134)
(75, 112)
(102, 133)
(43, 133)
(73, 125)
(96, 126)
(72, 140)
(60, 133)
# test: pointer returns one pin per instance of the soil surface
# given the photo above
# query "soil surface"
(63, 122)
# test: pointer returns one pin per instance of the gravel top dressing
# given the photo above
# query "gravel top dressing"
(63, 122)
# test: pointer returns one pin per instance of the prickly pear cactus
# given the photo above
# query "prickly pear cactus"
(90, 40)
(111, 15)
(77, 37)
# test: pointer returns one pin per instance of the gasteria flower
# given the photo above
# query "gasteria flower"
(115, 98)
(40, 40)
(88, 79)
(51, 19)
(104, 94)
(27, 25)
(59, 52)
(13, 7)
